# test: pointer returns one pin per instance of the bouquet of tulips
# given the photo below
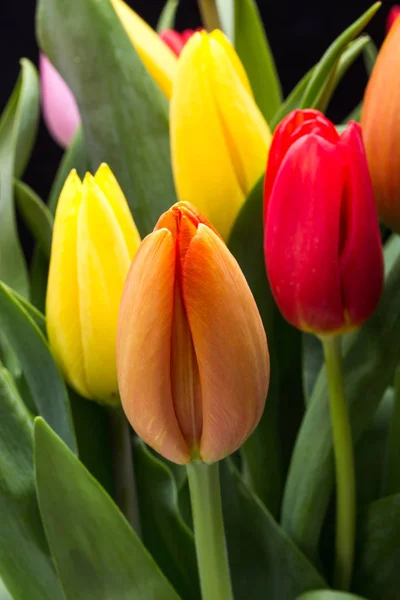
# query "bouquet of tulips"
(199, 383)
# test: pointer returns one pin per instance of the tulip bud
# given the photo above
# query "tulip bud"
(94, 241)
(175, 40)
(60, 110)
(380, 120)
(192, 356)
(322, 243)
(219, 139)
(392, 16)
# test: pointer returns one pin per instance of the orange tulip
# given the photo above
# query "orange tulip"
(192, 356)
(380, 120)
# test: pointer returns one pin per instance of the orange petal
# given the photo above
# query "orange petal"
(229, 342)
(144, 347)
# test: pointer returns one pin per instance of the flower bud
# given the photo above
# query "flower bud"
(175, 40)
(380, 120)
(392, 16)
(94, 241)
(322, 244)
(192, 356)
(219, 139)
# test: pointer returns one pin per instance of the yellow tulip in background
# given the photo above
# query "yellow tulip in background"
(94, 241)
(219, 138)
(157, 57)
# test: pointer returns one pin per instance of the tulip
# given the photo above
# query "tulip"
(94, 241)
(380, 120)
(60, 110)
(219, 139)
(392, 16)
(322, 243)
(192, 356)
(176, 41)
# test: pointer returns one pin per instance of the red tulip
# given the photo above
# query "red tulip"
(392, 16)
(322, 242)
(175, 40)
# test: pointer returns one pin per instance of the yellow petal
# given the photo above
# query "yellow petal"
(229, 342)
(108, 184)
(233, 57)
(62, 302)
(203, 169)
(157, 57)
(103, 263)
(144, 347)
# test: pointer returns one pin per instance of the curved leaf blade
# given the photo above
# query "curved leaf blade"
(98, 555)
(36, 215)
(167, 17)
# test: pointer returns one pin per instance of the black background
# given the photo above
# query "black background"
(298, 30)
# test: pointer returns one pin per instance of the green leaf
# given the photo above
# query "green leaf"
(268, 449)
(313, 359)
(4, 593)
(124, 113)
(264, 562)
(98, 555)
(328, 63)
(45, 382)
(370, 56)
(18, 127)
(25, 562)
(368, 370)
(164, 532)
(391, 469)
(253, 48)
(167, 17)
(328, 595)
(38, 276)
(36, 316)
(377, 573)
(293, 100)
(36, 215)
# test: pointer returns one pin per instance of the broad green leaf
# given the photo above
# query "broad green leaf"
(25, 562)
(38, 276)
(167, 17)
(268, 449)
(124, 113)
(253, 48)
(377, 573)
(36, 316)
(328, 63)
(163, 530)
(18, 126)
(38, 366)
(264, 562)
(368, 370)
(4, 593)
(36, 215)
(98, 555)
(328, 595)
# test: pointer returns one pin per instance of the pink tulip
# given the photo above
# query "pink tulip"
(60, 110)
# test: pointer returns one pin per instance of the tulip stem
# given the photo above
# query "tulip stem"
(212, 557)
(209, 14)
(344, 465)
(123, 469)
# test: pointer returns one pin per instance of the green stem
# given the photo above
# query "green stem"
(124, 479)
(391, 484)
(212, 558)
(344, 465)
(209, 14)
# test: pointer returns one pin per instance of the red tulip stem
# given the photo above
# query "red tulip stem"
(344, 465)
(212, 557)
(209, 14)
(123, 469)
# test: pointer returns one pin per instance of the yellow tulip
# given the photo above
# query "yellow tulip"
(94, 241)
(219, 139)
(157, 57)
(192, 355)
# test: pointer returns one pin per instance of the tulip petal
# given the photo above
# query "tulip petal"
(302, 235)
(60, 110)
(361, 260)
(203, 168)
(157, 57)
(103, 263)
(144, 347)
(62, 302)
(108, 184)
(230, 345)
